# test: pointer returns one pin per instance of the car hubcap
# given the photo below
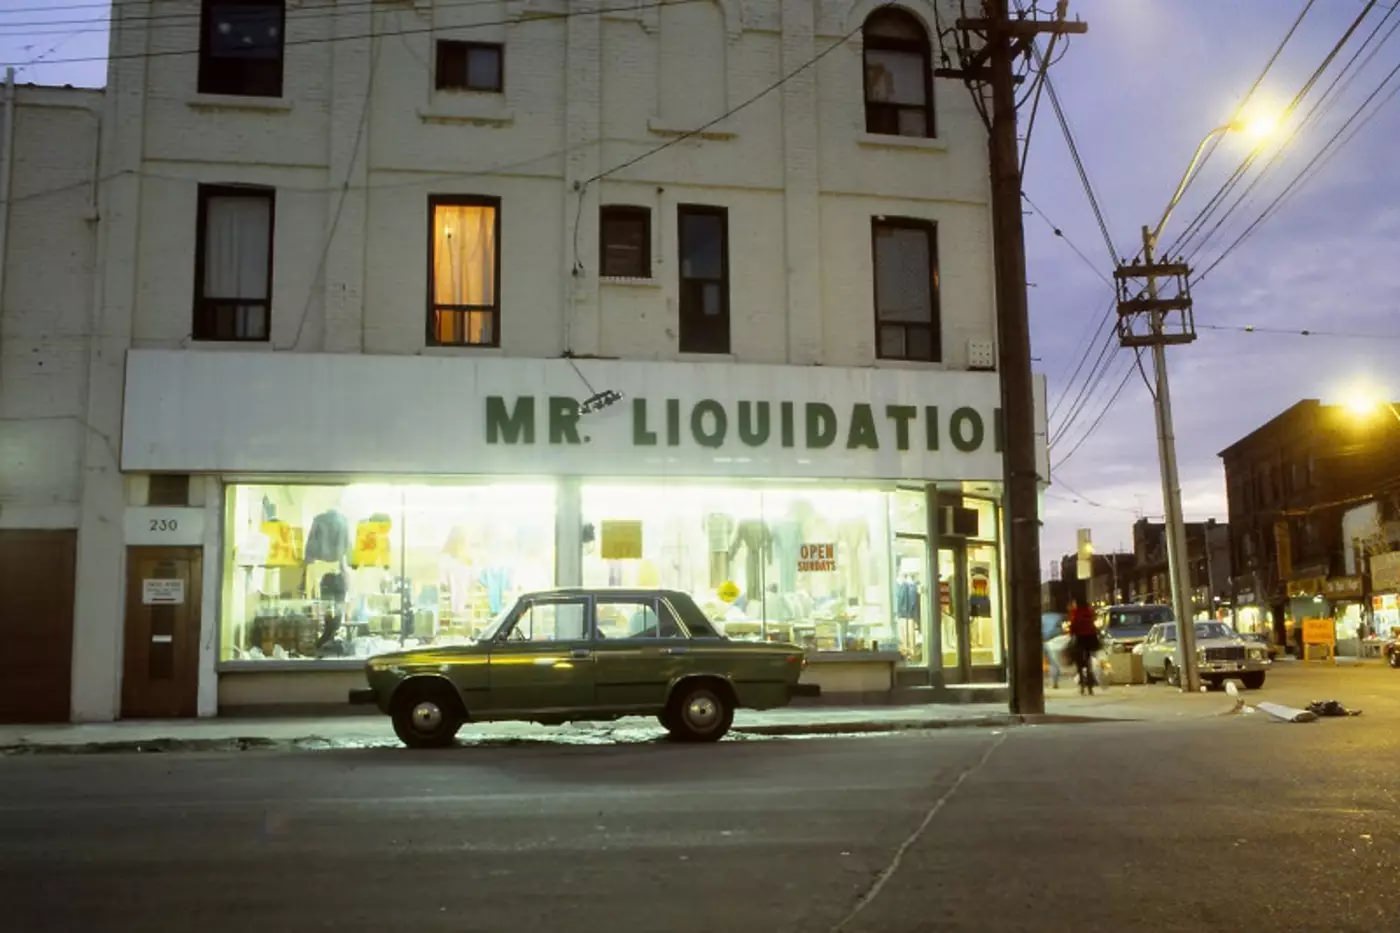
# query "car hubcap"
(427, 716)
(702, 712)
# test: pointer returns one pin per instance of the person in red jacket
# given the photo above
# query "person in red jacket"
(1086, 642)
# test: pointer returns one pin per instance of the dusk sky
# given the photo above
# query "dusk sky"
(1140, 90)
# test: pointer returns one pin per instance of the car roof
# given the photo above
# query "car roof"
(606, 591)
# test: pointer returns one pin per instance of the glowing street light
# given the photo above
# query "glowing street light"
(1364, 402)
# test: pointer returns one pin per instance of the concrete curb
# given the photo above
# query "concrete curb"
(159, 745)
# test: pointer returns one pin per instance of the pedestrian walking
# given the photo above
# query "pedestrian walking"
(1086, 643)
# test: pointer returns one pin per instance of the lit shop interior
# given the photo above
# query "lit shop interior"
(326, 572)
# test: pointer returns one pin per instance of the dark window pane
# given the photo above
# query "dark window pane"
(451, 64)
(484, 68)
(168, 489)
(626, 241)
(712, 299)
(895, 24)
(882, 118)
(241, 48)
(903, 274)
(892, 342)
(919, 342)
(912, 122)
(703, 249)
(895, 77)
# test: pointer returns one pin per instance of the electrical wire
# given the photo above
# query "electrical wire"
(1055, 229)
(1093, 427)
(539, 17)
(1304, 332)
(1193, 227)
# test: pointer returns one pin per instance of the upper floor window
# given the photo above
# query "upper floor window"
(704, 278)
(470, 66)
(625, 240)
(898, 75)
(906, 289)
(240, 47)
(233, 263)
(464, 298)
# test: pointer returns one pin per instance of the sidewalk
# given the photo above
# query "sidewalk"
(373, 730)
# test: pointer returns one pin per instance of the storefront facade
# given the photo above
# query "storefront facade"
(354, 504)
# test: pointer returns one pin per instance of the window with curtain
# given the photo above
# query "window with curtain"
(241, 46)
(898, 75)
(233, 263)
(464, 296)
(625, 241)
(906, 289)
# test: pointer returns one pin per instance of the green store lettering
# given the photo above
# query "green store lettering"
(712, 424)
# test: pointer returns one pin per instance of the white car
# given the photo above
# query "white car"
(1220, 653)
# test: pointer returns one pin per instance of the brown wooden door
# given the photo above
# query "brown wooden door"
(36, 624)
(160, 668)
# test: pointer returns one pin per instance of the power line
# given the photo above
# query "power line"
(1093, 427)
(415, 30)
(1264, 215)
(301, 13)
(1305, 332)
(1055, 229)
(1320, 106)
(1091, 382)
(1193, 228)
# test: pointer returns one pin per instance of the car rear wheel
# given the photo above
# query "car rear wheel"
(1170, 674)
(426, 716)
(1395, 659)
(699, 713)
(1252, 680)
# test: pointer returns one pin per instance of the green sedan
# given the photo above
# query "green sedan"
(585, 654)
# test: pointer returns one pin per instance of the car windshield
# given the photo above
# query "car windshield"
(1213, 630)
(494, 628)
(1138, 616)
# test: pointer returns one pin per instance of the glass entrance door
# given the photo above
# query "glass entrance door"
(952, 614)
(911, 599)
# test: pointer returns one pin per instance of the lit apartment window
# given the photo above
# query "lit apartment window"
(898, 76)
(463, 289)
(906, 289)
(240, 47)
(704, 278)
(625, 236)
(233, 263)
(470, 66)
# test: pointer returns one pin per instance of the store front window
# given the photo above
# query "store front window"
(323, 572)
(809, 566)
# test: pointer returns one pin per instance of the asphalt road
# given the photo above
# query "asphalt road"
(1230, 823)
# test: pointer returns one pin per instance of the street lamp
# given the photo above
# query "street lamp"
(1257, 128)
(1365, 402)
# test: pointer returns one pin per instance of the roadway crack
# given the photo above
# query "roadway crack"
(889, 870)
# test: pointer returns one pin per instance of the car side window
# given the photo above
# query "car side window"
(552, 620)
(623, 617)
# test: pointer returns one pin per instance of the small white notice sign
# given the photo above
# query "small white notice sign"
(163, 592)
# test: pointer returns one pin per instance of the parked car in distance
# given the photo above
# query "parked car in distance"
(1125, 627)
(1220, 653)
(585, 654)
(1391, 652)
(1262, 638)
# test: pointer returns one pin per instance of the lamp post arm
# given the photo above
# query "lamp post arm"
(1186, 179)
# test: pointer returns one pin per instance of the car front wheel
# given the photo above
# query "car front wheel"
(698, 714)
(426, 716)
(1170, 675)
(1252, 680)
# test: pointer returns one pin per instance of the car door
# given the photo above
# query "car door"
(543, 659)
(638, 648)
(1152, 652)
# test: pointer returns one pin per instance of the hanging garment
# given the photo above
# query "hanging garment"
(719, 529)
(456, 545)
(854, 537)
(787, 545)
(752, 536)
(329, 539)
(906, 600)
(497, 581)
(372, 539)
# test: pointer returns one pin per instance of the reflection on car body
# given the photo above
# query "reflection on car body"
(585, 654)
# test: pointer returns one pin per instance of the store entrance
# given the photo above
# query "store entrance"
(160, 673)
(968, 612)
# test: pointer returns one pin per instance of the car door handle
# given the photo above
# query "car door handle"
(581, 654)
(674, 650)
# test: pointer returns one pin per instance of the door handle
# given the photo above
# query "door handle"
(674, 650)
(581, 654)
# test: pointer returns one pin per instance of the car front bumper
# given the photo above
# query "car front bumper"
(1250, 666)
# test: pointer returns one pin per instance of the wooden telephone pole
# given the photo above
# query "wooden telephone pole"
(991, 65)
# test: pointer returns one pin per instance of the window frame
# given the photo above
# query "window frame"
(659, 610)
(935, 324)
(607, 212)
(888, 44)
(463, 200)
(527, 605)
(467, 47)
(205, 77)
(695, 345)
(201, 309)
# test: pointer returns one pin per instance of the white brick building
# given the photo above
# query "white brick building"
(350, 282)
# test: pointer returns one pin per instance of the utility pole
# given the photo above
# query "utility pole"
(1003, 40)
(1132, 310)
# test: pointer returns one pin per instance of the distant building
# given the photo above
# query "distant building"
(1314, 501)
